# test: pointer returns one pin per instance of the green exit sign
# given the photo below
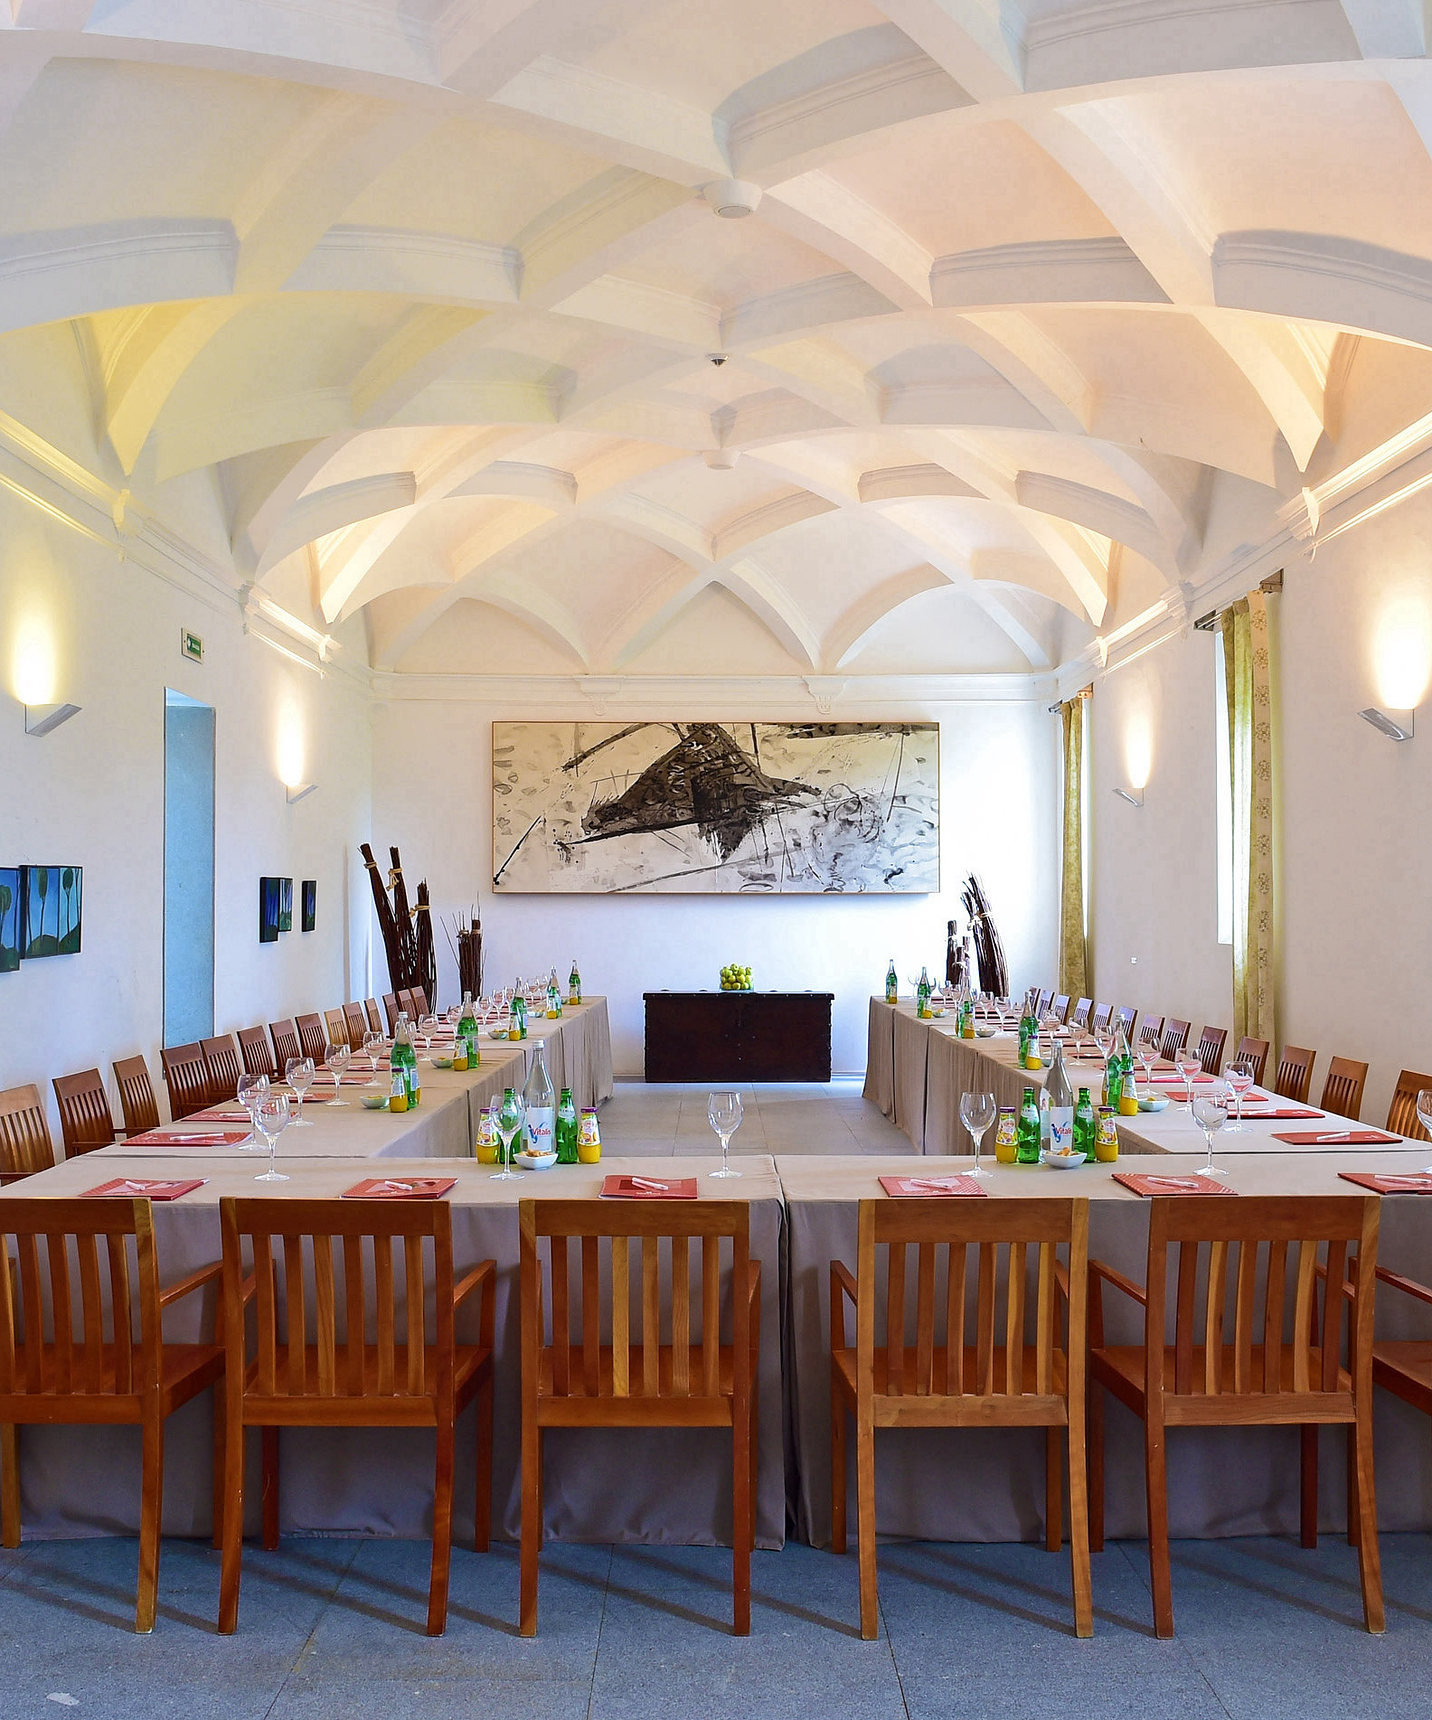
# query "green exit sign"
(191, 645)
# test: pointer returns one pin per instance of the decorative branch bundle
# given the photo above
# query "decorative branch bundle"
(427, 956)
(409, 949)
(994, 972)
(465, 941)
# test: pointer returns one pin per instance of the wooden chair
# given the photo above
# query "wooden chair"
(310, 1367)
(1175, 1037)
(420, 1001)
(1124, 1023)
(1079, 1015)
(999, 1380)
(186, 1075)
(390, 1009)
(407, 1005)
(335, 1024)
(1342, 1091)
(375, 1019)
(285, 1043)
(313, 1037)
(136, 1095)
(86, 1121)
(1042, 1004)
(1402, 1118)
(357, 1025)
(1403, 1366)
(1270, 1360)
(257, 1052)
(25, 1144)
(1102, 1017)
(1252, 1055)
(223, 1061)
(1151, 1028)
(77, 1374)
(1295, 1073)
(637, 1380)
(1058, 1008)
(1210, 1049)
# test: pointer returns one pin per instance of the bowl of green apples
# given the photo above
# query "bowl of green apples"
(735, 978)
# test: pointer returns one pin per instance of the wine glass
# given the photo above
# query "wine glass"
(427, 1027)
(252, 1088)
(1148, 1056)
(373, 1044)
(335, 1063)
(1210, 1112)
(723, 1112)
(271, 1117)
(977, 1112)
(1104, 1042)
(299, 1073)
(1239, 1079)
(511, 1121)
(1424, 1112)
(1189, 1066)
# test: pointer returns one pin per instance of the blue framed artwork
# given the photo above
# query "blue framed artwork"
(9, 919)
(49, 911)
(285, 904)
(269, 894)
(310, 904)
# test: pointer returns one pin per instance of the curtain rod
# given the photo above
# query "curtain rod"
(1083, 693)
(1270, 587)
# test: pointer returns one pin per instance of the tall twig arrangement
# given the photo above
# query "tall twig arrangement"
(407, 933)
(989, 951)
(465, 940)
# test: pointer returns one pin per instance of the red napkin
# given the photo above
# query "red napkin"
(922, 1188)
(1142, 1182)
(650, 1188)
(145, 1188)
(1342, 1138)
(1391, 1182)
(193, 1138)
(399, 1188)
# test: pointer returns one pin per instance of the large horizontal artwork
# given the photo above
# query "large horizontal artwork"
(721, 808)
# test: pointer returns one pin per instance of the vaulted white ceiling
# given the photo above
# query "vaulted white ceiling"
(1038, 310)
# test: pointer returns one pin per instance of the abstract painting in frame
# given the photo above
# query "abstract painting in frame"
(9, 919)
(269, 894)
(816, 808)
(50, 911)
(285, 904)
(309, 905)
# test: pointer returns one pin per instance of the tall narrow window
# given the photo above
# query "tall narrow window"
(188, 869)
(1223, 794)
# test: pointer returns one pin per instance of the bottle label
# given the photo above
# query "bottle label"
(540, 1121)
(1061, 1128)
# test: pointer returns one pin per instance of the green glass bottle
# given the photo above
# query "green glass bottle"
(403, 1057)
(554, 997)
(1026, 1140)
(467, 1031)
(1028, 1029)
(565, 1131)
(517, 1017)
(922, 997)
(1085, 1125)
(892, 983)
(574, 984)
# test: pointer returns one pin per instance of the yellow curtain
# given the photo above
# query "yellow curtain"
(1073, 956)
(1248, 679)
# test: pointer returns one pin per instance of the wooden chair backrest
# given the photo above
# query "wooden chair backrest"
(605, 1281)
(375, 1018)
(186, 1075)
(941, 1238)
(390, 1009)
(285, 1043)
(315, 1346)
(313, 1037)
(86, 1121)
(356, 1023)
(1059, 1007)
(1210, 1049)
(1102, 1016)
(1175, 1037)
(420, 1000)
(1252, 1055)
(223, 1059)
(335, 1024)
(136, 1095)
(1269, 1234)
(1151, 1028)
(407, 1005)
(1295, 1073)
(1402, 1118)
(59, 1338)
(1342, 1091)
(257, 1052)
(1042, 1003)
(1125, 1020)
(1079, 1016)
(25, 1143)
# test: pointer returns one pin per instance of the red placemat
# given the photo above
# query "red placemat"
(1391, 1182)
(1142, 1182)
(650, 1188)
(1341, 1138)
(193, 1138)
(1286, 1115)
(400, 1188)
(145, 1188)
(927, 1188)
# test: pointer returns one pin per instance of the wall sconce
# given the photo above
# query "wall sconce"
(44, 719)
(1129, 795)
(1396, 725)
(298, 791)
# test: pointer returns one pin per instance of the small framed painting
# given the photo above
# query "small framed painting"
(285, 904)
(9, 919)
(49, 911)
(268, 910)
(310, 904)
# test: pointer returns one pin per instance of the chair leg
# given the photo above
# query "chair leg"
(269, 1468)
(1079, 1531)
(865, 1524)
(741, 1529)
(1096, 1467)
(531, 1525)
(150, 1504)
(1156, 1484)
(1053, 1491)
(482, 1513)
(1308, 1502)
(231, 1560)
(1369, 1561)
(10, 1486)
(1351, 1453)
(442, 1529)
(220, 1430)
(838, 1480)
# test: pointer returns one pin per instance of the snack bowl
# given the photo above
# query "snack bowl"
(1155, 1102)
(442, 1062)
(535, 1161)
(1062, 1161)
(985, 1032)
(374, 1101)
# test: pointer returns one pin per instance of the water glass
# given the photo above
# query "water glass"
(299, 1073)
(250, 1090)
(1190, 1067)
(1210, 1112)
(1239, 1080)
(1424, 1112)
(977, 1112)
(374, 1045)
(511, 1123)
(271, 1117)
(723, 1112)
(335, 1063)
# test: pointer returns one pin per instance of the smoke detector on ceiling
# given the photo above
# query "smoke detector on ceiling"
(732, 198)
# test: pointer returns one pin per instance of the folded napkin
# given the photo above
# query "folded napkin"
(222, 1114)
(922, 1188)
(1391, 1182)
(1142, 1182)
(399, 1188)
(1286, 1115)
(189, 1138)
(144, 1188)
(650, 1188)
(1342, 1138)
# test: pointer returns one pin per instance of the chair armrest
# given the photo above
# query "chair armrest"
(841, 1278)
(1408, 1285)
(209, 1274)
(465, 1286)
(1097, 1269)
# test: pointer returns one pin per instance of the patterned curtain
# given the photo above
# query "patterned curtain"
(1073, 956)
(1247, 677)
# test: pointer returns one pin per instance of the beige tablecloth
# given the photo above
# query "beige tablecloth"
(880, 1057)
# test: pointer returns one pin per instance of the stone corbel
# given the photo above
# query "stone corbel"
(825, 690)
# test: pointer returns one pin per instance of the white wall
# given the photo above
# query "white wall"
(433, 796)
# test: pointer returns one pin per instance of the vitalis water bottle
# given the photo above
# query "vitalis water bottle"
(541, 1103)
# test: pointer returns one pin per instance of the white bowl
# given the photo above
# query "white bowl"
(535, 1161)
(985, 1032)
(374, 1101)
(1062, 1161)
(1158, 1102)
